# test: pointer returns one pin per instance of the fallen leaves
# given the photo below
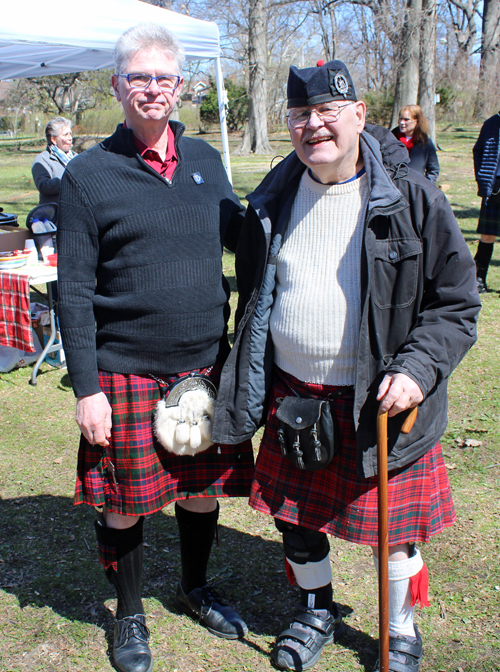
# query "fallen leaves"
(468, 443)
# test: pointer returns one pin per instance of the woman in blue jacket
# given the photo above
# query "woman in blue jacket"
(413, 131)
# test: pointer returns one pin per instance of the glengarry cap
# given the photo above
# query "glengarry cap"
(326, 82)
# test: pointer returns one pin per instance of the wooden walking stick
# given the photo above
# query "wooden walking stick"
(383, 533)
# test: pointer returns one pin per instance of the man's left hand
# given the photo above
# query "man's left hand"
(399, 393)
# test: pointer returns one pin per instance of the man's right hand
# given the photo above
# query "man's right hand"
(93, 416)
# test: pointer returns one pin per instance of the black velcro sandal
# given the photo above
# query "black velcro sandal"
(300, 646)
(406, 654)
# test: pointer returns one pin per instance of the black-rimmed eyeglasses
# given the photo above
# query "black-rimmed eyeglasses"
(138, 80)
(327, 112)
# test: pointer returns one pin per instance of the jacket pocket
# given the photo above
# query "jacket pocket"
(395, 272)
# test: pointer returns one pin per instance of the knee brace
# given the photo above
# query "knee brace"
(301, 544)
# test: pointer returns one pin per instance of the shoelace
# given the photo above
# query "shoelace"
(135, 628)
(210, 594)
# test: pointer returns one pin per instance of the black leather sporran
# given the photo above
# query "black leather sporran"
(308, 432)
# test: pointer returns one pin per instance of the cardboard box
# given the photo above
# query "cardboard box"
(54, 358)
(13, 238)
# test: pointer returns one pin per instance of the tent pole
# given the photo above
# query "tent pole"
(222, 99)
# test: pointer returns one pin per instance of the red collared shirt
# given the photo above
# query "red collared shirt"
(152, 158)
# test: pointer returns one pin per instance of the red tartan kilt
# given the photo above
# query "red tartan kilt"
(148, 476)
(336, 500)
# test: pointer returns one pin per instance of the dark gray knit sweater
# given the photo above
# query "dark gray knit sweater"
(141, 288)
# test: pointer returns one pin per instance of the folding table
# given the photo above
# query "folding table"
(36, 274)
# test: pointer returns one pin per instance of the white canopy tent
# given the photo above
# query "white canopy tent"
(63, 36)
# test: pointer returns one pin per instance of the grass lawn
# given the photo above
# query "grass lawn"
(56, 607)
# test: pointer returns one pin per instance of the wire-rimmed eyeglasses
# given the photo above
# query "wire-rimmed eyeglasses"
(327, 112)
(138, 80)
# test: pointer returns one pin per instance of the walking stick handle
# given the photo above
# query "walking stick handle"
(409, 421)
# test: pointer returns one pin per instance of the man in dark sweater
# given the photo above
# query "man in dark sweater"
(143, 301)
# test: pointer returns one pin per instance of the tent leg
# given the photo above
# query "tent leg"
(222, 99)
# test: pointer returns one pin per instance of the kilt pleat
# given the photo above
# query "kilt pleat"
(336, 500)
(148, 477)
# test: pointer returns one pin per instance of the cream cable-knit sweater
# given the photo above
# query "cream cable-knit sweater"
(315, 317)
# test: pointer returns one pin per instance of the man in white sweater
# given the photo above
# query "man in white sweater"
(355, 286)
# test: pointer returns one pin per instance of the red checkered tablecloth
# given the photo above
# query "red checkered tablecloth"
(15, 317)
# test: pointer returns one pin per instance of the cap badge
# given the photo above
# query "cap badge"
(341, 84)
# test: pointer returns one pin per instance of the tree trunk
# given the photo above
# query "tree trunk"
(427, 79)
(78, 116)
(255, 137)
(407, 77)
(488, 87)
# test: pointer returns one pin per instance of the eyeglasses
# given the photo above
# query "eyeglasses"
(167, 83)
(299, 116)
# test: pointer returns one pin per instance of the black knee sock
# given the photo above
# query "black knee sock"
(127, 578)
(483, 258)
(322, 597)
(196, 536)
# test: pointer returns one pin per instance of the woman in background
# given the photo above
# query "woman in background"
(49, 166)
(413, 132)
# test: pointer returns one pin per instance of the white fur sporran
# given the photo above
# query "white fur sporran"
(184, 416)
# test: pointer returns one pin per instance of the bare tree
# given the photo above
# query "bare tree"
(325, 17)
(462, 14)
(489, 75)
(372, 49)
(164, 4)
(406, 91)
(255, 137)
(386, 49)
(427, 66)
(378, 37)
(68, 95)
(22, 96)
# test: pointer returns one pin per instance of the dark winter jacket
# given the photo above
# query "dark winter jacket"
(423, 158)
(486, 153)
(419, 302)
(140, 260)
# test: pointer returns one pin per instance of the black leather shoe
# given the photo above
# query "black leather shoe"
(130, 647)
(481, 286)
(206, 606)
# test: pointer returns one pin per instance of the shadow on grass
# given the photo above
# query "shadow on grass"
(48, 558)
(465, 213)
